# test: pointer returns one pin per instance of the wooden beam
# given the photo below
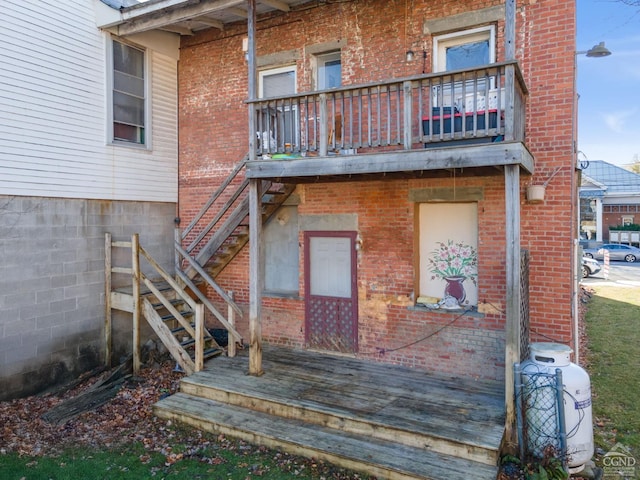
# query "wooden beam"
(252, 80)
(161, 15)
(277, 4)
(256, 275)
(135, 264)
(212, 22)
(513, 314)
(479, 155)
(178, 30)
(238, 12)
(510, 30)
(107, 300)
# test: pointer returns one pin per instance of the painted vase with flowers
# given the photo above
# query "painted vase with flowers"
(454, 262)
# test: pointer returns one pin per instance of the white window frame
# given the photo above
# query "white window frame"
(110, 86)
(434, 225)
(275, 71)
(280, 143)
(442, 42)
(321, 60)
(462, 37)
(627, 220)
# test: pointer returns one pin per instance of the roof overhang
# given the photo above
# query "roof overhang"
(186, 17)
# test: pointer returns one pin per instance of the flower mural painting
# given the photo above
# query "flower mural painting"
(454, 262)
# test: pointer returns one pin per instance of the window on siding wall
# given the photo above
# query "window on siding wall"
(128, 94)
(448, 246)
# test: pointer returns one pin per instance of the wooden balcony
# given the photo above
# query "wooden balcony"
(472, 119)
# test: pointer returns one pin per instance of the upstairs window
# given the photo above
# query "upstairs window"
(278, 125)
(466, 49)
(328, 70)
(128, 94)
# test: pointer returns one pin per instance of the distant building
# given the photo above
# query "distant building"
(609, 195)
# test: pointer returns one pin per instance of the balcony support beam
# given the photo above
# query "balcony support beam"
(256, 277)
(513, 320)
(496, 154)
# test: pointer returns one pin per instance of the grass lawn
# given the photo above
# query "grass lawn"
(136, 463)
(612, 326)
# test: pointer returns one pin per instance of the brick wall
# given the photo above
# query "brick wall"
(376, 34)
(52, 283)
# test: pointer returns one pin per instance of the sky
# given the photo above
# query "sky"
(609, 87)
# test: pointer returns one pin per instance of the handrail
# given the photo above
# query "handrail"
(205, 231)
(485, 102)
(209, 280)
(400, 80)
(214, 196)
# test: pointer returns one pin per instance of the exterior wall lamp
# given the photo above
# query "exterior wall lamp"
(410, 55)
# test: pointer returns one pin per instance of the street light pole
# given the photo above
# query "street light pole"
(597, 51)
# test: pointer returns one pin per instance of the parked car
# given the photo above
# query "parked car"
(590, 266)
(617, 251)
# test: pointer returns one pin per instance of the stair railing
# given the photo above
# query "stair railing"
(164, 333)
(139, 306)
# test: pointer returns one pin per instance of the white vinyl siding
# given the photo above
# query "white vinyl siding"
(53, 111)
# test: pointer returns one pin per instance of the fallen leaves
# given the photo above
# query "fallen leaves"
(128, 419)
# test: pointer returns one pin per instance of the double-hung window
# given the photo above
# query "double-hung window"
(464, 50)
(128, 94)
(278, 124)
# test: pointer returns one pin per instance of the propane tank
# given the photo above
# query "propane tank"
(546, 358)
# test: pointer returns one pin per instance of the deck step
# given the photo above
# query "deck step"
(382, 458)
(361, 410)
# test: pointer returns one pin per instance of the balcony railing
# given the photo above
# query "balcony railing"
(476, 105)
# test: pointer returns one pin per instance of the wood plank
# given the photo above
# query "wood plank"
(122, 301)
(177, 352)
(360, 452)
(483, 155)
(107, 300)
(385, 401)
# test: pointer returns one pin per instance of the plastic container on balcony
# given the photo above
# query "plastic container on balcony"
(457, 120)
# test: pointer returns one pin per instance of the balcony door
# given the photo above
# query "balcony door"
(278, 126)
(331, 294)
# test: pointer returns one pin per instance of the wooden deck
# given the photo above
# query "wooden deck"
(388, 421)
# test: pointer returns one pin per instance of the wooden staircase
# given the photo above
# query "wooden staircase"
(222, 223)
(175, 307)
(387, 421)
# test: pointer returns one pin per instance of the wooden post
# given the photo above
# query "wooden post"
(199, 357)
(408, 115)
(231, 316)
(256, 277)
(510, 78)
(135, 268)
(324, 127)
(107, 301)
(251, 64)
(513, 320)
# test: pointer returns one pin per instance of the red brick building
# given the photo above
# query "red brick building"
(398, 139)
(382, 210)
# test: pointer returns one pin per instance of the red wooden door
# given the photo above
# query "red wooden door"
(331, 294)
